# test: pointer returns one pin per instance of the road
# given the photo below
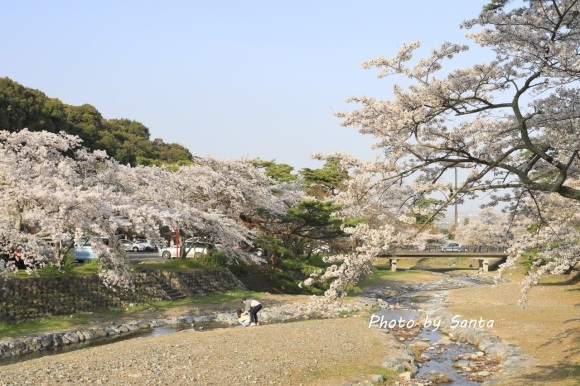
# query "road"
(139, 257)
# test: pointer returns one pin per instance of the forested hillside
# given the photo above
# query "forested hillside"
(125, 140)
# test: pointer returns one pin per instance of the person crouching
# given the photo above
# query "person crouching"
(252, 306)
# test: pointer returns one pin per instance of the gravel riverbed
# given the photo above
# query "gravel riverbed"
(278, 354)
(289, 349)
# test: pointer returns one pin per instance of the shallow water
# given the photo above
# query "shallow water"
(443, 362)
(441, 357)
(143, 333)
(70, 347)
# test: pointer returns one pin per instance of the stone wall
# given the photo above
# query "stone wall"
(38, 297)
(218, 281)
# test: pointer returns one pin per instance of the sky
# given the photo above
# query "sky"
(228, 79)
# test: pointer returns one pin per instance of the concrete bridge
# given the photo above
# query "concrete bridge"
(483, 258)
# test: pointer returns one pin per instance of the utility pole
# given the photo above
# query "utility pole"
(456, 211)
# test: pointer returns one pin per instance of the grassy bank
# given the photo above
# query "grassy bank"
(152, 310)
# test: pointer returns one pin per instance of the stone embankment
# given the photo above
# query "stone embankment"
(40, 297)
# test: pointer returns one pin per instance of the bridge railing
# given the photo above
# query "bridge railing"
(464, 248)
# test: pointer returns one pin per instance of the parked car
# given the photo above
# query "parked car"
(452, 247)
(258, 252)
(127, 245)
(47, 251)
(195, 250)
(142, 245)
(248, 248)
(85, 252)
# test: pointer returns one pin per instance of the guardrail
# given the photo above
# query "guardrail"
(463, 248)
(482, 255)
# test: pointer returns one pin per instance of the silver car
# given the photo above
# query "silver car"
(452, 247)
(195, 249)
(142, 245)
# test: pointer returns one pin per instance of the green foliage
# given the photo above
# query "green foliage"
(275, 247)
(298, 269)
(326, 181)
(177, 265)
(88, 268)
(535, 226)
(314, 218)
(316, 260)
(238, 267)
(125, 140)
(278, 172)
(353, 289)
(310, 220)
(352, 222)
(495, 4)
(300, 229)
(301, 269)
(22, 107)
(55, 323)
(423, 209)
(214, 260)
(291, 265)
(531, 258)
(220, 259)
(313, 264)
(287, 282)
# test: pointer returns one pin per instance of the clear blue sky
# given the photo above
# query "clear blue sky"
(230, 79)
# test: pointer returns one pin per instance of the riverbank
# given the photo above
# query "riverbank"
(309, 352)
(306, 357)
(546, 327)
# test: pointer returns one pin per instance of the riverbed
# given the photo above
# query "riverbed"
(438, 355)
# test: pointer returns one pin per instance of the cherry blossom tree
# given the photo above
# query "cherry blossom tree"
(378, 217)
(51, 186)
(511, 123)
(210, 198)
(546, 229)
(490, 228)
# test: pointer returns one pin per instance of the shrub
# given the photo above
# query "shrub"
(214, 260)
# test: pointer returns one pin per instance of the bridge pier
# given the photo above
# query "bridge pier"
(393, 263)
(484, 264)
